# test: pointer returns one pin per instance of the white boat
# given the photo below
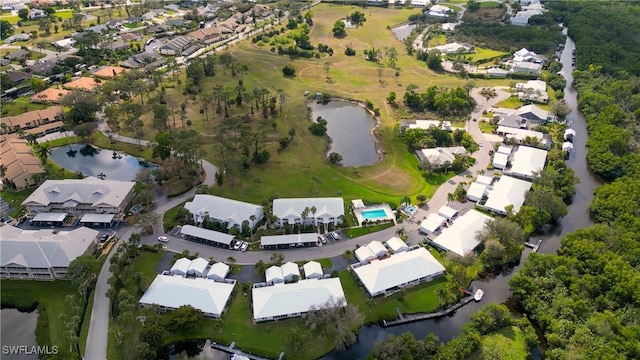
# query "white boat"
(478, 295)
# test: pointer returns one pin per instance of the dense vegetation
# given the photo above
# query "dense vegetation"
(586, 299)
(445, 102)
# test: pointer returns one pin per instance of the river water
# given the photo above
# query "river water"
(496, 290)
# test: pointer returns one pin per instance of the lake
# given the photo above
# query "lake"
(350, 128)
(18, 329)
(93, 162)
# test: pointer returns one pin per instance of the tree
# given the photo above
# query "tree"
(23, 14)
(277, 258)
(288, 71)
(195, 71)
(391, 99)
(560, 109)
(503, 241)
(6, 29)
(83, 107)
(160, 116)
(43, 152)
(339, 29)
(357, 18)
(433, 60)
(337, 320)
(44, 25)
(335, 158)
(327, 67)
(146, 221)
(184, 319)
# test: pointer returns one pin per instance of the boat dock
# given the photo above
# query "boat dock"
(535, 247)
(232, 350)
(403, 319)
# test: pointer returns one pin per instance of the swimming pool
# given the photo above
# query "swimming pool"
(374, 214)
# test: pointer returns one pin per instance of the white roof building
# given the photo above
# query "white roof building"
(377, 248)
(533, 112)
(206, 234)
(526, 161)
(569, 134)
(180, 267)
(357, 204)
(312, 270)
(295, 299)
(460, 237)
(218, 271)
(274, 275)
(520, 134)
(497, 72)
(507, 191)
(426, 124)
(397, 245)
(419, 3)
(533, 90)
(197, 267)
(428, 227)
(500, 161)
(363, 253)
(232, 212)
(64, 43)
(289, 270)
(439, 156)
(448, 212)
(290, 240)
(398, 270)
(483, 179)
(328, 210)
(503, 149)
(436, 218)
(439, 11)
(567, 146)
(453, 48)
(41, 254)
(88, 195)
(171, 292)
(477, 191)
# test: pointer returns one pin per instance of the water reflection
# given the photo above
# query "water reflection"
(18, 329)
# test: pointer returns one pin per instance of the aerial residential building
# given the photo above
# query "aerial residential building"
(78, 197)
(454, 48)
(273, 275)
(477, 191)
(282, 301)
(507, 192)
(500, 161)
(198, 267)
(290, 271)
(527, 161)
(83, 83)
(532, 90)
(180, 267)
(109, 72)
(50, 95)
(460, 237)
(172, 292)
(497, 72)
(483, 179)
(328, 210)
(22, 167)
(218, 271)
(363, 253)
(377, 248)
(397, 245)
(439, 11)
(441, 155)
(312, 270)
(223, 210)
(42, 254)
(32, 119)
(448, 212)
(397, 271)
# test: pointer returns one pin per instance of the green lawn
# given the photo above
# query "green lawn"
(453, 7)
(11, 19)
(15, 199)
(133, 25)
(20, 105)
(511, 103)
(489, 4)
(483, 54)
(486, 127)
(359, 231)
(169, 218)
(506, 344)
(64, 14)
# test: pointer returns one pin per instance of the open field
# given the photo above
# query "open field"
(351, 77)
(483, 55)
(19, 106)
(10, 18)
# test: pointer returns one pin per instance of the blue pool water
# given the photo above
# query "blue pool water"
(373, 214)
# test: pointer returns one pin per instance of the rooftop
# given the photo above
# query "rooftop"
(507, 191)
(460, 237)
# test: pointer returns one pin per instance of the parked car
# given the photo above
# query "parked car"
(237, 245)
(323, 239)
(244, 246)
(335, 236)
(163, 239)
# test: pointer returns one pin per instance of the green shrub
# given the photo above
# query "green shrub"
(22, 302)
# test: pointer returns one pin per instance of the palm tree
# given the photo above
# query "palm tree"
(303, 215)
(231, 260)
(43, 152)
(253, 219)
(3, 170)
(313, 210)
(31, 139)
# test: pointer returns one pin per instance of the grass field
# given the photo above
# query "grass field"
(489, 4)
(511, 103)
(64, 14)
(19, 106)
(483, 55)
(11, 19)
(359, 231)
(486, 127)
(506, 344)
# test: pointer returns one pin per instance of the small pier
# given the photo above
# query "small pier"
(232, 350)
(535, 246)
(403, 319)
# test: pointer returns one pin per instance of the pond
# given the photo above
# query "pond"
(91, 161)
(350, 128)
(18, 329)
(403, 31)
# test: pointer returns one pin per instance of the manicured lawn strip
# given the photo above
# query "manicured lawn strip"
(484, 54)
(507, 343)
(15, 199)
(489, 4)
(101, 140)
(11, 19)
(511, 103)
(51, 295)
(486, 127)
(359, 231)
(64, 14)
(18, 107)
(169, 218)
(146, 263)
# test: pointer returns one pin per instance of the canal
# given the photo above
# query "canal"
(497, 288)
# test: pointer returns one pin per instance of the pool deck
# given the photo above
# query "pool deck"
(385, 207)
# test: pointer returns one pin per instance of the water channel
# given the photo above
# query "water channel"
(350, 128)
(496, 289)
(18, 329)
(91, 162)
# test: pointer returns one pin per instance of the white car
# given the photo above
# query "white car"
(237, 245)
(163, 239)
(335, 236)
(244, 246)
